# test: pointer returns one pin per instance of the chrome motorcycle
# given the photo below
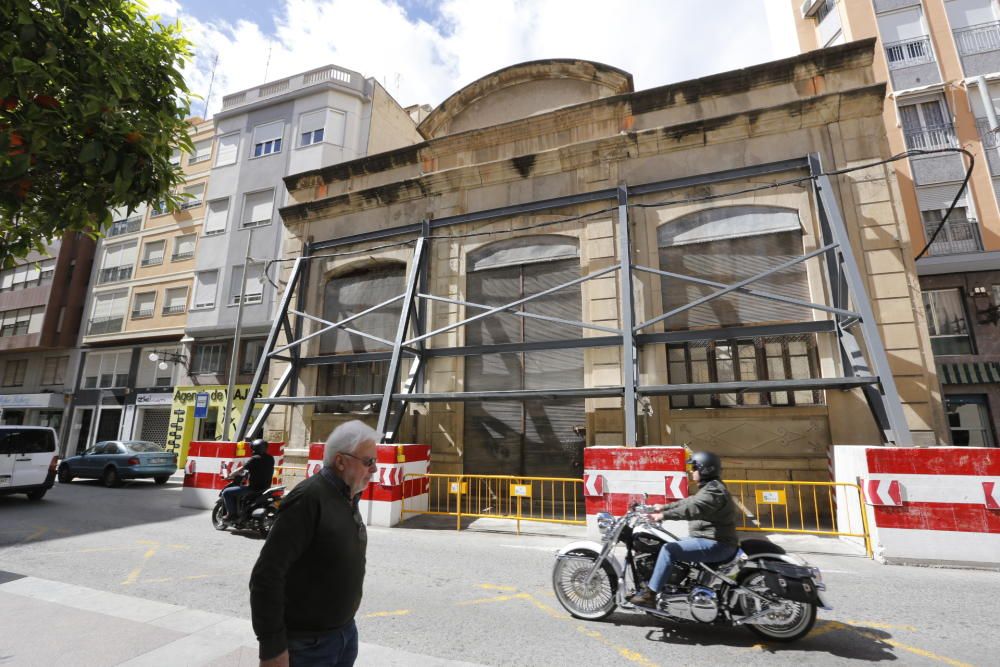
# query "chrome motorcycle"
(771, 592)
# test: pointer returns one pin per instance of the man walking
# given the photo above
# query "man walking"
(307, 583)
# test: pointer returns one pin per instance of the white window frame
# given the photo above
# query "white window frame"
(202, 151)
(248, 207)
(170, 300)
(268, 137)
(177, 256)
(200, 287)
(148, 251)
(213, 215)
(149, 309)
(254, 288)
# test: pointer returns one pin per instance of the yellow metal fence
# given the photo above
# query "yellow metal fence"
(801, 507)
(548, 499)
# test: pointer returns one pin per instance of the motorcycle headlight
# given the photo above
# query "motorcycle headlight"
(604, 522)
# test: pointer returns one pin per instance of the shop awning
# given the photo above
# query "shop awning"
(984, 372)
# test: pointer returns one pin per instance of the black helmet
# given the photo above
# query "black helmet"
(259, 446)
(707, 464)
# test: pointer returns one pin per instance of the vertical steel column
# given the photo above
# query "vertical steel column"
(300, 305)
(896, 430)
(272, 338)
(626, 296)
(404, 322)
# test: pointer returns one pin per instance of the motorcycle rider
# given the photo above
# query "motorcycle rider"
(260, 467)
(711, 515)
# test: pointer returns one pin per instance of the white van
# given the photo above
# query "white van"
(28, 457)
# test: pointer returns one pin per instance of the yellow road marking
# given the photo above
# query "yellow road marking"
(884, 626)
(912, 649)
(380, 614)
(133, 576)
(498, 598)
(628, 654)
(494, 587)
(35, 535)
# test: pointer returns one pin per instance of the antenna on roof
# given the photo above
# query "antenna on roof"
(267, 66)
(211, 82)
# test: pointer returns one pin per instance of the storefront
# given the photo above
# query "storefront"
(45, 409)
(191, 419)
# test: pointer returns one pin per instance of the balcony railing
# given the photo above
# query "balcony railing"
(128, 226)
(152, 261)
(105, 325)
(986, 135)
(978, 38)
(114, 274)
(909, 52)
(142, 313)
(937, 136)
(181, 256)
(173, 310)
(956, 238)
(250, 298)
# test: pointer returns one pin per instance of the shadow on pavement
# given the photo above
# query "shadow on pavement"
(487, 525)
(86, 506)
(832, 637)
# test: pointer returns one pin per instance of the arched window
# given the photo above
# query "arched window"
(727, 245)
(531, 437)
(346, 295)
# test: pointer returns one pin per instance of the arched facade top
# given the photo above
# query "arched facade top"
(524, 90)
(727, 222)
(523, 250)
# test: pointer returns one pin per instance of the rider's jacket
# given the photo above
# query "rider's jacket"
(261, 469)
(711, 513)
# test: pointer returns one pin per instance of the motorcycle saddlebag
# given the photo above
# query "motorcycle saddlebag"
(791, 582)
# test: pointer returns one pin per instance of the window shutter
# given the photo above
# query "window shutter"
(268, 132)
(205, 290)
(259, 207)
(218, 212)
(176, 297)
(184, 245)
(145, 302)
(312, 121)
(900, 26)
(154, 251)
(37, 317)
(352, 293)
(228, 147)
(336, 125)
(202, 150)
(255, 280)
(939, 197)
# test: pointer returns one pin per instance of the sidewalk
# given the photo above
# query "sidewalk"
(51, 623)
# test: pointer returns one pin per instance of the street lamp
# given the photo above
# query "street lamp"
(164, 357)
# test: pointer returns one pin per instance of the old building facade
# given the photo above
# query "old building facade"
(520, 190)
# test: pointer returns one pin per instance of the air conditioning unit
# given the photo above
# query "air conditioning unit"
(809, 7)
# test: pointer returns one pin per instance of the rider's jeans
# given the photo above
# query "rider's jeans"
(689, 550)
(232, 495)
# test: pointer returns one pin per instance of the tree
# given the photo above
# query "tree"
(92, 105)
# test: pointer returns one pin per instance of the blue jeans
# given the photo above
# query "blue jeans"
(231, 497)
(689, 550)
(336, 649)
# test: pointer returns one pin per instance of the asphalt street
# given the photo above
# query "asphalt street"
(482, 595)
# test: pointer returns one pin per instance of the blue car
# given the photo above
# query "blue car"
(112, 461)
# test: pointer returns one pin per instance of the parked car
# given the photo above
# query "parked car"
(112, 461)
(28, 457)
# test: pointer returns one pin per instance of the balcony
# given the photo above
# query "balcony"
(142, 314)
(979, 48)
(128, 226)
(911, 63)
(958, 237)
(181, 256)
(174, 310)
(151, 261)
(932, 136)
(105, 325)
(114, 274)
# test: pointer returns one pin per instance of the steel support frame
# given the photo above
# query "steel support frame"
(842, 269)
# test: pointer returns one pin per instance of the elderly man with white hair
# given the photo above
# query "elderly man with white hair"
(306, 586)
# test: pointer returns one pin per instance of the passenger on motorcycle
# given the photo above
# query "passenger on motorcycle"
(711, 515)
(260, 467)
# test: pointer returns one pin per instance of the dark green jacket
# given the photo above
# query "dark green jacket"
(308, 579)
(711, 513)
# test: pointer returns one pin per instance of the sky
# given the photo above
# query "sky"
(422, 51)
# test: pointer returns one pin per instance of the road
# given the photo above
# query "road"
(483, 596)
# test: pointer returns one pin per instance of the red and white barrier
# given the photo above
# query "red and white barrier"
(382, 502)
(614, 477)
(208, 464)
(928, 505)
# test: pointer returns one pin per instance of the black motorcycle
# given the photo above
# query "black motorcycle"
(255, 511)
(773, 593)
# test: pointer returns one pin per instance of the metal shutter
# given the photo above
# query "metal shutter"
(938, 197)
(155, 425)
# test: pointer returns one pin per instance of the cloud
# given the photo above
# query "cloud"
(423, 56)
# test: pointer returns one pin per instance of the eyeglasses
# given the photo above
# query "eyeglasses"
(367, 462)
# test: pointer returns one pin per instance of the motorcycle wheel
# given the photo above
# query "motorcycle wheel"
(217, 521)
(591, 601)
(786, 627)
(265, 523)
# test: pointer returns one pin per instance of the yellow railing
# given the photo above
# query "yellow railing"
(801, 507)
(547, 499)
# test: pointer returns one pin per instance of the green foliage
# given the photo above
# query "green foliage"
(92, 104)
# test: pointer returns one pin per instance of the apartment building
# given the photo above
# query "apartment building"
(262, 134)
(41, 305)
(142, 281)
(941, 60)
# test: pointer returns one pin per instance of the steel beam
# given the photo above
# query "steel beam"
(885, 404)
(626, 298)
(269, 343)
(502, 348)
(401, 328)
(733, 333)
(755, 386)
